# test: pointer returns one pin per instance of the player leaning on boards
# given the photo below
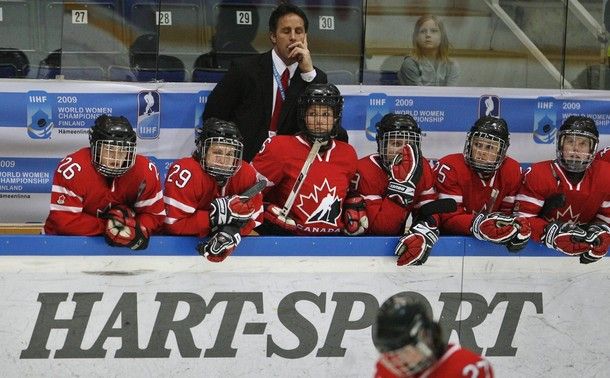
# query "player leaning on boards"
(107, 189)
(202, 192)
(309, 173)
(567, 200)
(395, 183)
(411, 344)
(484, 182)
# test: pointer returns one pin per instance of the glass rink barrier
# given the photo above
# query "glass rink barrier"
(288, 306)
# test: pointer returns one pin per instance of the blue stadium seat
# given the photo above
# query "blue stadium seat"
(380, 77)
(7, 71)
(208, 75)
(341, 77)
(72, 73)
(118, 73)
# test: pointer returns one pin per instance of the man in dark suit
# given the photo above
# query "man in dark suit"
(253, 88)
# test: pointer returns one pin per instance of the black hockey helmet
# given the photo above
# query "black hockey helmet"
(404, 322)
(225, 140)
(393, 132)
(577, 126)
(113, 145)
(486, 144)
(320, 94)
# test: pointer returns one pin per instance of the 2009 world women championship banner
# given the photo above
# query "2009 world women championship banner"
(42, 121)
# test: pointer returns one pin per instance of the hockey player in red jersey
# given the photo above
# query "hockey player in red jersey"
(603, 154)
(484, 182)
(567, 200)
(107, 189)
(411, 344)
(202, 192)
(395, 183)
(308, 188)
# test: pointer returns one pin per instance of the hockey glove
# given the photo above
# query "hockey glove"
(123, 230)
(414, 247)
(405, 173)
(519, 241)
(598, 235)
(355, 221)
(494, 227)
(230, 210)
(566, 238)
(273, 214)
(221, 244)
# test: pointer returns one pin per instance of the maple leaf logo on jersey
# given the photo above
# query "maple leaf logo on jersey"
(565, 214)
(321, 206)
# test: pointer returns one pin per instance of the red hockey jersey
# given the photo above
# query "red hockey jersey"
(79, 194)
(603, 154)
(455, 179)
(189, 190)
(386, 217)
(317, 208)
(456, 362)
(586, 202)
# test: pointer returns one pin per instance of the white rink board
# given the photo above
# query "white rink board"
(566, 339)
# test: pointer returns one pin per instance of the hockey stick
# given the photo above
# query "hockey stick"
(439, 206)
(315, 148)
(490, 202)
(249, 193)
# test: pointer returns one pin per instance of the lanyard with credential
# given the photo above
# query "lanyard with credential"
(278, 80)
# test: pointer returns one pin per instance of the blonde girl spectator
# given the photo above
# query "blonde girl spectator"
(429, 64)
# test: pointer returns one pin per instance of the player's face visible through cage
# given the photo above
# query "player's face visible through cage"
(408, 360)
(393, 142)
(113, 158)
(222, 156)
(485, 152)
(575, 152)
(319, 120)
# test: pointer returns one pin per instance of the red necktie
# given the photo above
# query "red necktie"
(277, 109)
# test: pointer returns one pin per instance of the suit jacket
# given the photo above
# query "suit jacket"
(245, 96)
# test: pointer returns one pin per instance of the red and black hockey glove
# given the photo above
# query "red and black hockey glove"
(355, 220)
(598, 235)
(414, 247)
(221, 244)
(405, 172)
(566, 238)
(273, 214)
(514, 232)
(231, 210)
(124, 230)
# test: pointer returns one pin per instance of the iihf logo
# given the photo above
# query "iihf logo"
(39, 115)
(545, 121)
(149, 119)
(378, 107)
(489, 105)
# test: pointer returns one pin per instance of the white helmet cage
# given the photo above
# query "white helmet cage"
(485, 144)
(225, 156)
(392, 142)
(112, 158)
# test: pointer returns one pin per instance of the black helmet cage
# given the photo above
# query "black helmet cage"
(490, 134)
(320, 94)
(577, 126)
(113, 145)
(393, 132)
(228, 156)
